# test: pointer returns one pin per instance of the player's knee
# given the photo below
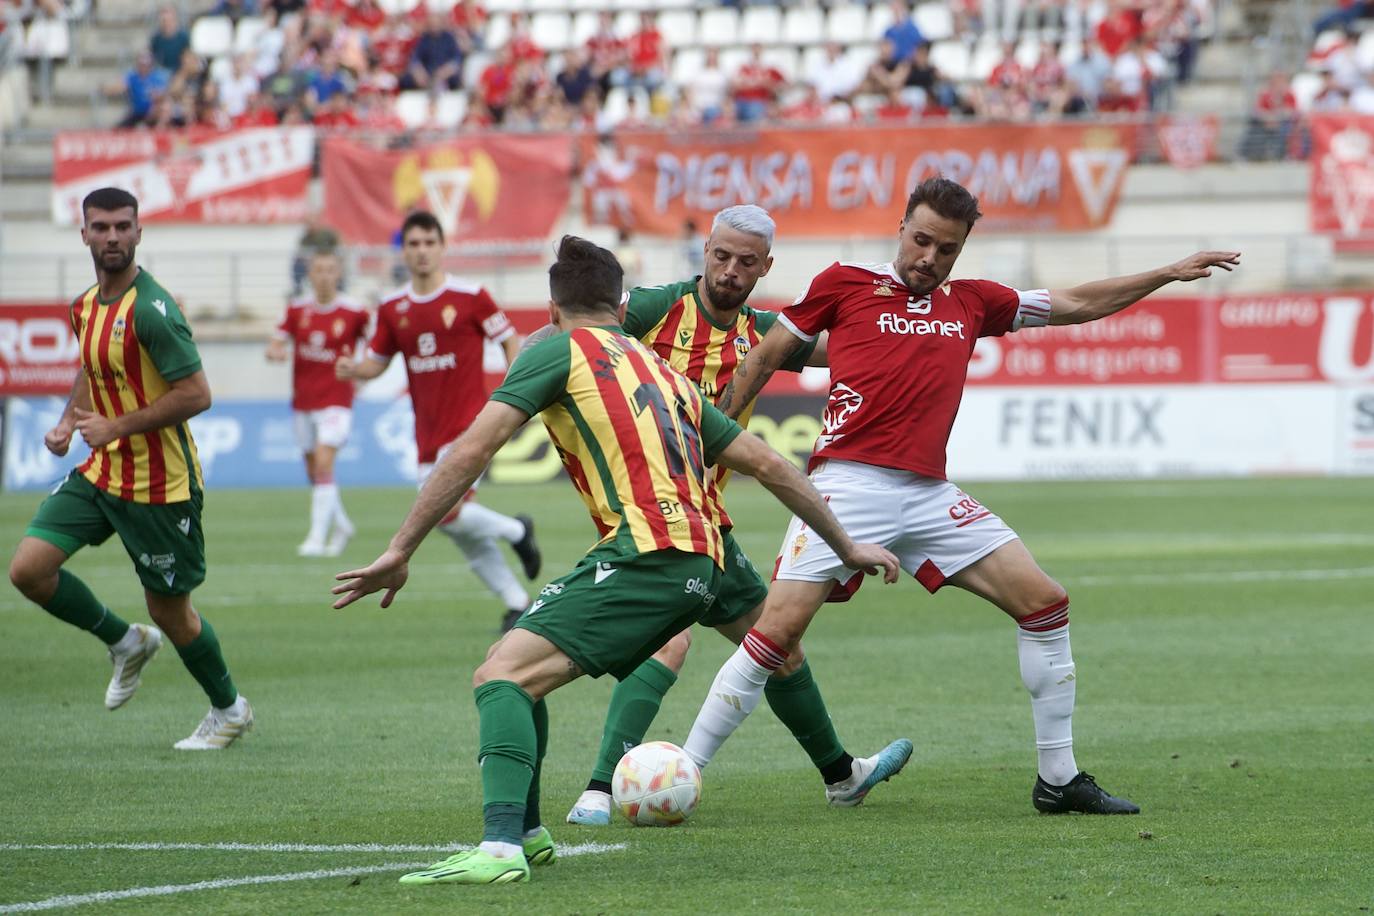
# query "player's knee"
(32, 579)
(1048, 596)
(795, 659)
(673, 655)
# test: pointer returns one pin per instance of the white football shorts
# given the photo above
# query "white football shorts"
(933, 527)
(327, 426)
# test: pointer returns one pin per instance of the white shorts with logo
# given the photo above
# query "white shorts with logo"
(933, 527)
(327, 426)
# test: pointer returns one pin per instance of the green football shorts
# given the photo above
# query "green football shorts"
(614, 610)
(164, 541)
(741, 587)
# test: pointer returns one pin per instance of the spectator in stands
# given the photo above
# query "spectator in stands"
(287, 84)
(576, 79)
(143, 85)
(1142, 73)
(937, 95)
(1330, 96)
(894, 109)
(808, 109)
(1088, 75)
(167, 113)
(1271, 125)
(903, 33)
(437, 60)
(237, 86)
(1362, 99)
(366, 16)
(1346, 14)
(235, 10)
(391, 46)
(1173, 27)
(283, 7)
(208, 110)
(1119, 28)
(627, 253)
(327, 82)
(496, 85)
(470, 24)
(521, 43)
(707, 89)
(261, 112)
(755, 87)
(337, 111)
(837, 76)
(187, 79)
(170, 39)
(888, 70)
(269, 43)
(607, 53)
(647, 63)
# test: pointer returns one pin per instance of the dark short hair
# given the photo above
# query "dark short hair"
(108, 199)
(586, 278)
(421, 219)
(947, 198)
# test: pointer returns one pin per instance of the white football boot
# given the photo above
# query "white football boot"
(867, 772)
(129, 662)
(593, 809)
(220, 728)
(338, 539)
(311, 548)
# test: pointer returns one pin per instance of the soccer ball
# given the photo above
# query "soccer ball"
(656, 785)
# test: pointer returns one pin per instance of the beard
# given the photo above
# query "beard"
(918, 283)
(725, 298)
(114, 261)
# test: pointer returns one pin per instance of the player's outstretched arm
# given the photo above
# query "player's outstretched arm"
(361, 369)
(277, 350)
(59, 438)
(750, 455)
(453, 476)
(1091, 301)
(757, 368)
(185, 398)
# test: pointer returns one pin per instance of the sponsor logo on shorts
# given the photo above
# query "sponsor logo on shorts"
(604, 571)
(162, 563)
(892, 323)
(695, 586)
(553, 588)
(538, 603)
(798, 545)
(967, 510)
(184, 526)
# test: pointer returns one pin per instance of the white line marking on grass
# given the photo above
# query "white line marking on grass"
(1238, 575)
(578, 850)
(163, 890)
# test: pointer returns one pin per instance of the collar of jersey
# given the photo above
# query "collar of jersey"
(430, 297)
(701, 310)
(114, 300)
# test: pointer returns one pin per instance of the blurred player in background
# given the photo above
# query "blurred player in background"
(140, 382)
(319, 328)
(637, 440)
(901, 336)
(703, 327)
(438, 324)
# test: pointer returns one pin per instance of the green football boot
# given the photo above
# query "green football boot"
(539, 848)
(473, 867)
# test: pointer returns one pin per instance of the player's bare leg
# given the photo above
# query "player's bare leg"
(36, 570)
(513, 726)
(478, 531)
(330, 527)
(634, 704)
(195, 640)
(1010, 579)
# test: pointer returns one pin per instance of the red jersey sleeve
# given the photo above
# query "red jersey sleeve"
(495, 324)
(1006, 309)
(283, 328)
(814, 310)
(383, 342)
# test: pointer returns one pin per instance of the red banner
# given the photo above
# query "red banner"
(1342, 174)
(1188, 141)
(38, 351)
(839, 182)
(497, 193)
(199, 175)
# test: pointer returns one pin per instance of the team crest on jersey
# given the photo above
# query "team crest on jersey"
(798, 546)
(338, 327)
(403, 306)
(742, 346)
(448, 314)
(117, 330)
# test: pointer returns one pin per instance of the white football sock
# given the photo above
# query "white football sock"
(735, 692)
(500, 850)
(1047, 670)
(322, 497)
(338, 517)
(489, 564)
(479, 521)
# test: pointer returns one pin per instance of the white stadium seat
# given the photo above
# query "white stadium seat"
(986, 54)
(473, 65)
(951, 58)
(496, 7)
(212, 36)
(1305, 87)
(395, 7)
(731, 59)
(761, 25)
(413, 107)
(785, 59)
(1364, 51)
(450, 109)
(847, 23)
(678, 27)
(544, 6)
(246, 33)
(584, 26)
(221, 68)
(498, 33)
(593, 5)
(626, 23)
(551, 31)
(687, 62)
(1028, 52)
(718, 26)
(804, 25)
(879, 18)
(47, 38)
(935, 21)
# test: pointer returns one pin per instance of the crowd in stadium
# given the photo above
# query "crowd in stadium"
(455, 64)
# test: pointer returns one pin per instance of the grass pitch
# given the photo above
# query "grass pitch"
(1221, 630)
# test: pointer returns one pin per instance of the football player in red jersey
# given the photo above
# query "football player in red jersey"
(439, 323)
(901, 336)
(319, 329)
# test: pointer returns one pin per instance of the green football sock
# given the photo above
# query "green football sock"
(796, 701)
(77, 605)
(203, 658)
(541, 745)
(634, 703)
(508, 745)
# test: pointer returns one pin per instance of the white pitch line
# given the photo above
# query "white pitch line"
(163, 890)
(1239, 575)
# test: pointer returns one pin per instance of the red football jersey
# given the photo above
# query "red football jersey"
(319, 335)
(440, 336)
(898, 362)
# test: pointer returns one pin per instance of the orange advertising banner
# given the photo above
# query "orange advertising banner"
(855, 181)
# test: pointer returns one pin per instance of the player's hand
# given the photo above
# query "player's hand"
(59, 438)
(343, 368)
(389, 571)
(98, 431)
(1200, 265)
(276, 350)
(869, 559)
